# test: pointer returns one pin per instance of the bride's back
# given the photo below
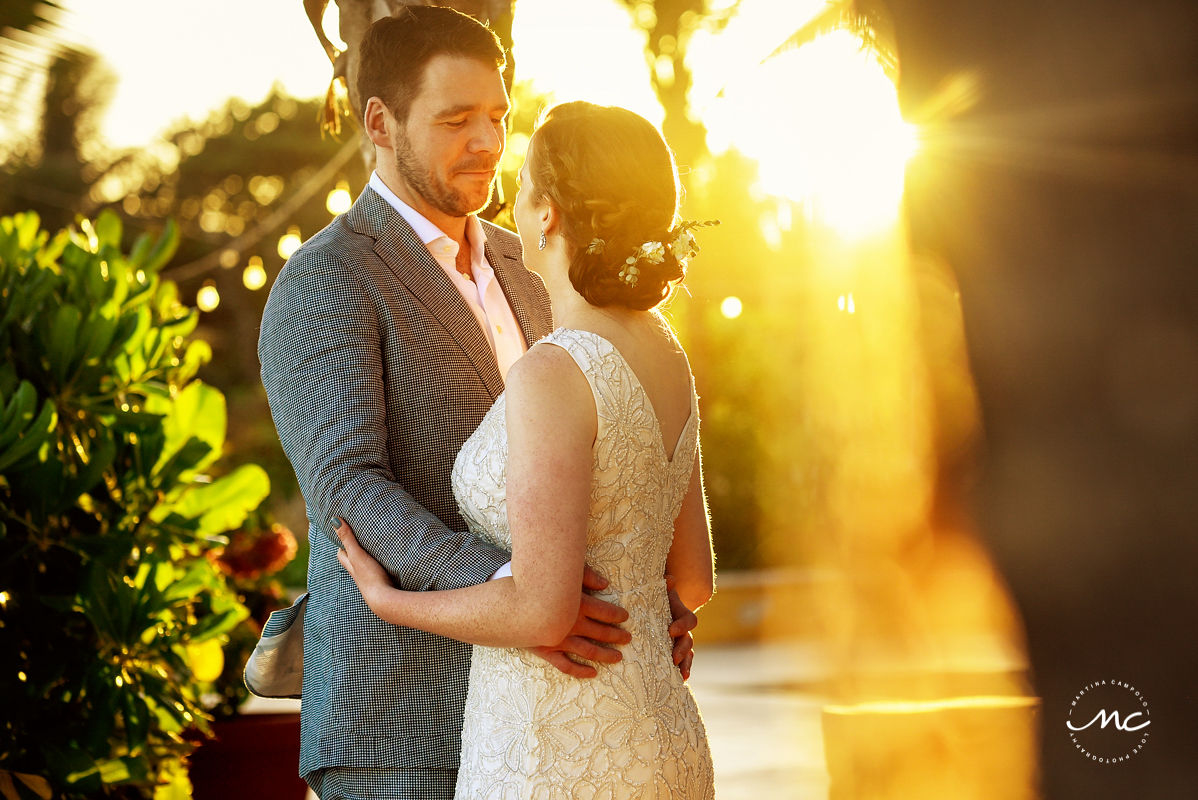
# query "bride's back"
(660, 365)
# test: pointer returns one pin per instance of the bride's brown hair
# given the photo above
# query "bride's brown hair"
(611, 176)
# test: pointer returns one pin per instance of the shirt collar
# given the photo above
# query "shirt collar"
(426, 230)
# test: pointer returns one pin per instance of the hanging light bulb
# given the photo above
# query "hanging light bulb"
(208, 298)
(339, 200)
(290, 242)
(254, 275)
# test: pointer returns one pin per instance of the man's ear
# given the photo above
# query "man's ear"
(376, 120)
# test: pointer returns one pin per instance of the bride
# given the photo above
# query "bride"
(590, 457)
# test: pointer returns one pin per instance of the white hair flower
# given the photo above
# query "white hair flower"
(682, 246)
(653, 252)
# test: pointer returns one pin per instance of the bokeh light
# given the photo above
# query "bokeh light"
(290, 242)
(207, 298)
(732, 307)
(339, 200)
(838, 145)
(254, 275)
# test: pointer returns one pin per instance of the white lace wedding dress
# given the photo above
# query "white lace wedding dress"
(534, 733)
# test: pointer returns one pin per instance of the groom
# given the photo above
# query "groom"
(385, 340)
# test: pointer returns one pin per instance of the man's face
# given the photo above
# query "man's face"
(449, 147)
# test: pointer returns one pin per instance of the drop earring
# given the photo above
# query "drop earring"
(542, 242)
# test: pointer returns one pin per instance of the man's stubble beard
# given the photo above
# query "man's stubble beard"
(424, 181)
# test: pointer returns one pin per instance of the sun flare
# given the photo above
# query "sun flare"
(823, 123)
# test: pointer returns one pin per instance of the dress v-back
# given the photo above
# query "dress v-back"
(634, 731)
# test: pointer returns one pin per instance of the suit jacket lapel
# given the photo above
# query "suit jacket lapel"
(532, 324)
(408, 258)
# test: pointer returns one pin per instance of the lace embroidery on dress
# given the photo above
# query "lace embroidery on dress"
(634, 731)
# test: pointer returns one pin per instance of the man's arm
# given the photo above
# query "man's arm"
(322, 369)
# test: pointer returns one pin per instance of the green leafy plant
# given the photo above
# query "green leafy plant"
(112, 615)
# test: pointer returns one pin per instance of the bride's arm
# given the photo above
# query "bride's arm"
(551, 426)
(691, 560)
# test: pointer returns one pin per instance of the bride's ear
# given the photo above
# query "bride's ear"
(550, 218)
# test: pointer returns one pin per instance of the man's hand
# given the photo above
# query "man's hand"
(597, 622)
(680, 629)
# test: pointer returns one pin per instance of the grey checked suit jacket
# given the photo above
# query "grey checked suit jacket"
(376, 372)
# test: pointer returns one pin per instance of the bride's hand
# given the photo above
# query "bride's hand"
(361, 566)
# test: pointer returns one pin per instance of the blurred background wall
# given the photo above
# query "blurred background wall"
(1065, 199)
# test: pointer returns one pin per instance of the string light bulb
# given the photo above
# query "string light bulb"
(254, 275)
(290, 242)
(208, 298)
(339, 199)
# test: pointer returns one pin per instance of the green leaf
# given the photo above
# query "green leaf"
(224, 504)
(18, 413)
(96, 336)
(133, 328)
(37, 784)
(63, 341)
(198, 354)
(196, 412)
(108, 228)
(217, 623)
(137, 720)
(7, 788)
(141, 250)
(189, 458)
(122, 770)
(28, 226)
(176, 787)
(190, 583)
(32, 438)
(164, 248)
(101, 456)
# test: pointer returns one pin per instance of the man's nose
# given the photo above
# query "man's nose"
(487, 137)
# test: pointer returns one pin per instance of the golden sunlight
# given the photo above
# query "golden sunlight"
(731, 308)
(834, 142)
(605, 66)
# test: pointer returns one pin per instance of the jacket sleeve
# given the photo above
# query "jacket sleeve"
(322, 369)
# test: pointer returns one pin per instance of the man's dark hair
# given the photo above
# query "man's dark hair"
(395, 50)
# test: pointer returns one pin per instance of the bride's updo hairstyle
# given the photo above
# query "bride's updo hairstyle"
(611, 177)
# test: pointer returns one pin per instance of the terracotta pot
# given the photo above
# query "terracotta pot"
(253, 756)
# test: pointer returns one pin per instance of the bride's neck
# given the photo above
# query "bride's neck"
(571, 310)
(563, 297)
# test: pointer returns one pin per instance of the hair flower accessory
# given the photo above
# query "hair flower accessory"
(653, 252)
(682, 246)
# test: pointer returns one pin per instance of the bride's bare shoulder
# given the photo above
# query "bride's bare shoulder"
(546, 389)
(546, 368)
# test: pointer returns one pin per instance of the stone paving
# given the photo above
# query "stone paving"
(764, 733)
